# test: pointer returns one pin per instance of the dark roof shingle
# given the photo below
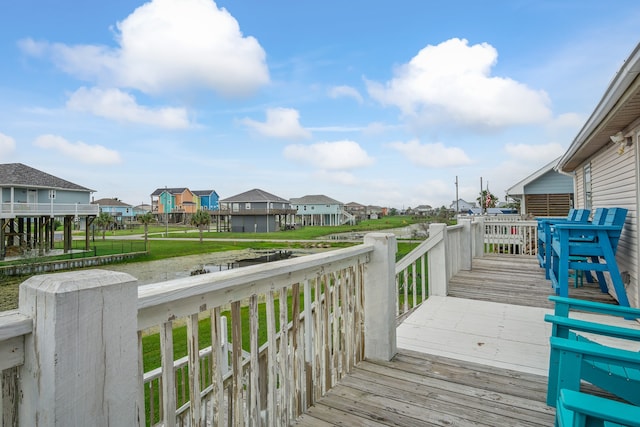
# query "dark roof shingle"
(17, 174)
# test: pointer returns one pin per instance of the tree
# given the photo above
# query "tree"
(201, 219)
(146, 219)
(103, 221)
(487, 200)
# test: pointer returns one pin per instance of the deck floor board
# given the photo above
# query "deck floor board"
(418, 389)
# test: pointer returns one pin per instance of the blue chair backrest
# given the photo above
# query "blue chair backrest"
(599, 216)
(582, 215)
(571, 216)
(615, 216)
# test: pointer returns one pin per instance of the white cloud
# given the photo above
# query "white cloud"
(338, 155)
(169, 45)
(7, 145)
(281, 123)
(451, 82)
(345, 91)
(336, 177)
(431, 155)
(120, 106)
(80, 151)
(534, 153)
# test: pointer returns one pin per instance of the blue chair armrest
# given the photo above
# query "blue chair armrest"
(580, 409)
(597, 352)
(563, 305)
(565, 324)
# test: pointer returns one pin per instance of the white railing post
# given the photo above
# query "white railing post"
(478, 238)
(438, 262)
(81, 360)
(466, 241)
(380, 297)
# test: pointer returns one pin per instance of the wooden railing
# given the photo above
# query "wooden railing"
(516, 237)
(9, 210)
(74, 351)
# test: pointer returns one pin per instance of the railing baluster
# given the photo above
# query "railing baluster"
(254, 375)
(272, 366)
(193, 353)
(168, 375)
(236, 345)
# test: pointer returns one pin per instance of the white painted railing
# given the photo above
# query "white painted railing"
(515, 237)
(78, 339)
(8, 210)
(304, 321)
(427, 269)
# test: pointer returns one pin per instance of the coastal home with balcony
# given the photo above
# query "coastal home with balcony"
(176, 202)
(320, 210)
(546, 192)
(256, 211)
(121, 212)
(31, 201)
(207, 199)
(604, 160)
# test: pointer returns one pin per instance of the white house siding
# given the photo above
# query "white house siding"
(614, 184)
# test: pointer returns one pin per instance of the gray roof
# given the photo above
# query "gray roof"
(203, 192)
(17, 174)
(317, 199)
(255, 195)
(110, 202)
(177, 190)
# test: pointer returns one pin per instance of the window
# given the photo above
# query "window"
(235, 207)
(52, 194)
(247, 206)
(586, 176)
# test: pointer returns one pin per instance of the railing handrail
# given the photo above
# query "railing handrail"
(156, 300)
(419, 251)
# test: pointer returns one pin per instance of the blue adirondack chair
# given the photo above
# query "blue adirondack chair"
(576, 409)
(575, 358)
(545, 232)
(573, 244)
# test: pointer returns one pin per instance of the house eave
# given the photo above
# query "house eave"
(616, 112)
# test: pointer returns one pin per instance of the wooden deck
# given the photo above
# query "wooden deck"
(416, 389)
(514, 280)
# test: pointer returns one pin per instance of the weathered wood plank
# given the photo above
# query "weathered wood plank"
(417, 390)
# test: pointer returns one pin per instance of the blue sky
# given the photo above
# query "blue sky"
(375, 102)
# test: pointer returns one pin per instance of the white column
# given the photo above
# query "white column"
(81, 361)
(437, 260)
(380, 297)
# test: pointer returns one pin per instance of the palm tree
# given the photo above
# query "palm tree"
(103, 221)
(146, 219)
(201, 219)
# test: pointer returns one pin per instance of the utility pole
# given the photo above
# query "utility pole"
(457, 198)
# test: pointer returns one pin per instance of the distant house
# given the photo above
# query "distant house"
(320, 210)
(207, 199)
(121, 212)
(375, 212)
(178, 203)
(31, 199)
(461, 206)
(142, 209)
(256, 211)
(357, 210)
(423, 210)
(546, 192)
